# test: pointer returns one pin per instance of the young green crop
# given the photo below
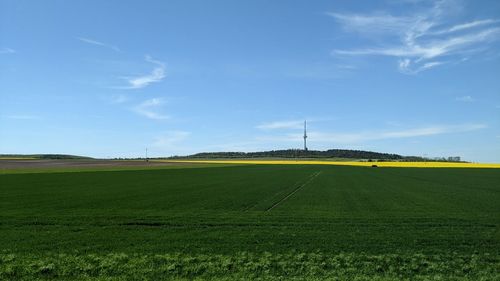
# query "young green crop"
(393, 222)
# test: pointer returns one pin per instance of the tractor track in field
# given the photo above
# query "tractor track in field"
(311, 178)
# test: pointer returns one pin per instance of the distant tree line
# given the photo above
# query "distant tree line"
(299, 153)
(285, 153)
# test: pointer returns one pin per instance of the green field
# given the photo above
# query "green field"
(283, 222)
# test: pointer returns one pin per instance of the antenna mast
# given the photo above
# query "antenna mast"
(305, 135)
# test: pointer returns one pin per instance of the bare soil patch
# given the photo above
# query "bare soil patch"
(68, 163)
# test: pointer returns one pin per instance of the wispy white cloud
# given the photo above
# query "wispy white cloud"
(467, 25)
(245, 146)
(371, 24)
(293, 124)
(406, 66)
(98, 43)
(465, 99)
(7, 51)
(421, 39)
(432, 49)
(353, 140)
(170, 139)
(431, 130)
(142, 81)
(357, 137)
(149, 108)
(346, 66)
(119, 99)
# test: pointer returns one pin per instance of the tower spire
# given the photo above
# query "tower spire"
(305, 135)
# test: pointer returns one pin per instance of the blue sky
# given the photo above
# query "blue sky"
(110, 78)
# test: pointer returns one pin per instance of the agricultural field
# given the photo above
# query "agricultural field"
(337, 162)
(250, 222)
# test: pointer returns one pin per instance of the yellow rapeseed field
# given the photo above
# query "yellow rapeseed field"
(345, 163)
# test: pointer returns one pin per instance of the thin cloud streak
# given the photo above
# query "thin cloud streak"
(405, 66)
(465, 99)
(97, 43)
(294, 124)
(156, 75)
(348, 138)
(371, 24)
(170, 139)
(7, 51)
(149, 109)
(116, 99)
(467, 25)
(433, 130)
(416, 41)
(432, 50)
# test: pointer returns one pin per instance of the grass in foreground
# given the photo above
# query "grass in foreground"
(256, 221)
(248, 266)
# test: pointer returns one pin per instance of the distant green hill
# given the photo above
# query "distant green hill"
(298, 153)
